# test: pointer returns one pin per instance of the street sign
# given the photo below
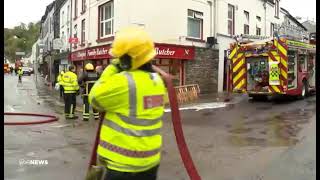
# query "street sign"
(57, 44)
(73, 40)
(20, 53)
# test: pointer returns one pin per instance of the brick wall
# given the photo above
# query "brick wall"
(203, 70)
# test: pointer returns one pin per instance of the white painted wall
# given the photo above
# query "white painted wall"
(80, 17)
(166, 21)
(65, 24)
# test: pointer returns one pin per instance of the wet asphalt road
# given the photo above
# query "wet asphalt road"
(243, 141)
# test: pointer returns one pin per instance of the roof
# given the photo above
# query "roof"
(294, 19)
(48, 9)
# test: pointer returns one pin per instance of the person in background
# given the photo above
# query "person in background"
(20, 73)
(59, 78)
(69, 81)
(99, 70)
(86, 81)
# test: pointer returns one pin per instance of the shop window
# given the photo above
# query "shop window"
(106, 19)
(195, 24)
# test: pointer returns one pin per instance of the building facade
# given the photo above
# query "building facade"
(179, 46)
(191, 36)
(46, 37)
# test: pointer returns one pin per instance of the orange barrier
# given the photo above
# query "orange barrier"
(187, 93)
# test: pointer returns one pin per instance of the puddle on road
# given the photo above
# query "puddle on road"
(278, 130)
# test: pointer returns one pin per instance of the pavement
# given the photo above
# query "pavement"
(236, 140)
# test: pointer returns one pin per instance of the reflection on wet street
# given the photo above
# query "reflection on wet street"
(237, 140)
(277, 130)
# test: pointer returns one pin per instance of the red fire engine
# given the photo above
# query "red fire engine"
(274, 66)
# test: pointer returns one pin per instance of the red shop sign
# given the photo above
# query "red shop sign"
(79, 55)
(99, 53)
(73, 40)
(174, 51)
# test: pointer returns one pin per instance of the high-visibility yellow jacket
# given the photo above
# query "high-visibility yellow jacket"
(69, 81)
(130, 139)
(59, 78)
(20, 72)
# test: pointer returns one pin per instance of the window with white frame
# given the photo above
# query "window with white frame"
(231, 19)
(83, 7)
(271, 29)
(62, 19)
(246, 22)
(276, 8)
(83, 31)
(195, 24)
(75, 8)
(106, 19)
(68, 12)
(258, 31)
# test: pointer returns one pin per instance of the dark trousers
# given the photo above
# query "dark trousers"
(86, 109)
(61, 91)
(70, 104)
(20, 78)
(150, 174)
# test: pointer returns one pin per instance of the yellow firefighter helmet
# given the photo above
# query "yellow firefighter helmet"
(89, 67)
(135, 42)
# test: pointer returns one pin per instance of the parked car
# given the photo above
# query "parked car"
(26, 71)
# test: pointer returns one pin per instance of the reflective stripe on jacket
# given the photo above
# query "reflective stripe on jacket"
(69, 81)
(130, 138)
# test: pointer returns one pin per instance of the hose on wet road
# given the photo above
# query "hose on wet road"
(177, 126)
(176, 121)
(49, 119)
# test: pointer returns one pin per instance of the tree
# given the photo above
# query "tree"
(20, 38)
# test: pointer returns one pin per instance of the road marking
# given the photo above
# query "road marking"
(201, 106)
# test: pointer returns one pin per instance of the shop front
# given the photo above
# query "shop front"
(171, 58)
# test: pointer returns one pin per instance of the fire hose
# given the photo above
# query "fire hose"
(49, 119)
(176, 121)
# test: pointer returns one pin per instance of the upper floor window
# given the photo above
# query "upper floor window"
(230, 19)
(246, 24)
(276, 8)
(75, 8)
(62, 19)
(271, 29)
(83, 31)
(258, 31)
(195, 24)
(68, 12)
(84, 6)
(106, 19)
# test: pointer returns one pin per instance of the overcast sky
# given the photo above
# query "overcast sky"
(16, 11)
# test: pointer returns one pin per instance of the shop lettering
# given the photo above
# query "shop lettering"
(96, 52)
(81, 54)
(166, 52)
